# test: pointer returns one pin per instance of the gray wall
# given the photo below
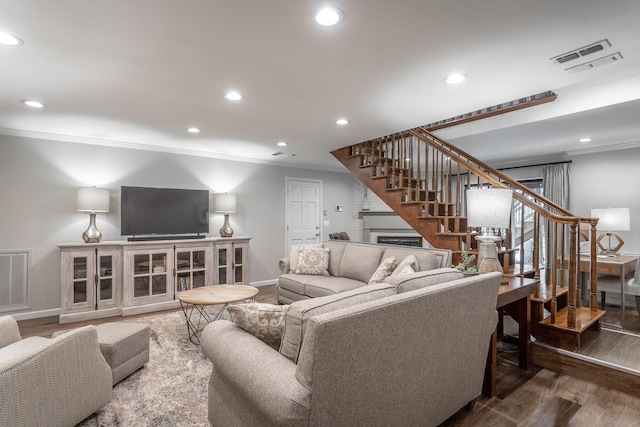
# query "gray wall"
(601, 180)
(40, 177)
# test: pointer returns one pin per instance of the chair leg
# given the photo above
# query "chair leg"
(469, 406)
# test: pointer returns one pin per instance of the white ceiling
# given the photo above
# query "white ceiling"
(138, 73)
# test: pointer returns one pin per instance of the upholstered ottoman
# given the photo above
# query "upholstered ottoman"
(125, 347)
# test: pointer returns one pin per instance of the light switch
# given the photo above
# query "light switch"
(338, 208)
(326, 223)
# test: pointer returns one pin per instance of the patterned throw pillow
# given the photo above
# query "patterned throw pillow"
(313, 261)
(263, 321)
(384, 270)
(293, 256)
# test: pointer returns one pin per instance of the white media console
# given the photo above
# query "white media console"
(121, 278)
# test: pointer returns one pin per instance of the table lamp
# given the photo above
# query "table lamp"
(92, 200)
(225, 203)
(488, 209)
(611, 219)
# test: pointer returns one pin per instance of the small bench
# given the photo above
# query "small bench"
(125, 347)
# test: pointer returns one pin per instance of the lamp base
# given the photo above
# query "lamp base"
(488, 258)
(609, 251)
(92, 234)
(226, 230)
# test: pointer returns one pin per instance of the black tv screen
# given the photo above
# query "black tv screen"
(163, 211)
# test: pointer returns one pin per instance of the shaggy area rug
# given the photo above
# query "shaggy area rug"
(171, 390)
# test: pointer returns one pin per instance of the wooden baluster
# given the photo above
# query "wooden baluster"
(593, 274)
(554, 275)
(572, 296)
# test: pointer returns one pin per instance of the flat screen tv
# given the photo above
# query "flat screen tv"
(151, 213)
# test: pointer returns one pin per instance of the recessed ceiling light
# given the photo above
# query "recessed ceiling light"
(233, 95)
(10, 40)
(342, 121)
(33, 104)
(585, 140)
(282, 144)
(193, 130)
(455, 78)
(328, 16)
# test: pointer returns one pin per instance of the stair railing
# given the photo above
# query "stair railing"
(435, 174)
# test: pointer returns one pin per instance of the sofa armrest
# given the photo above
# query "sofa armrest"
(284, 265)
(263, 376)
(9, 332)
(423, 279)
(61, 381)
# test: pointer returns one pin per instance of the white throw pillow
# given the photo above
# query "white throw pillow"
(410, 261)
(384, 270)
(293, 255)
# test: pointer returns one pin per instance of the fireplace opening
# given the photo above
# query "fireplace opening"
(401, 240)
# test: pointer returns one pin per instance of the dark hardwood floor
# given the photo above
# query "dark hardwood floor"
(535, 397)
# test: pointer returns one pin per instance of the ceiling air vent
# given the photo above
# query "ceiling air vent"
(581, 52)
(596, 63)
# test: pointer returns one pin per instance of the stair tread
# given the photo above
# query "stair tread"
(584, 319)
(545, 292)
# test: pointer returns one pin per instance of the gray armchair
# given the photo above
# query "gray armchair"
(52, 382)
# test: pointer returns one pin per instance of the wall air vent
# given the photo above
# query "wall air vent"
(581, 52)
(596, 63)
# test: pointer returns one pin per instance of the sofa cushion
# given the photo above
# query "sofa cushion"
(301, 311)
(313, 261)
(330, 285)
(359, 262)
(384, 270)
(423, 279)
(263, 321)
(293, 255)
(335, 256)
(426, 260)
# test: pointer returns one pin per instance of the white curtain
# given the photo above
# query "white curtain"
(556, 182)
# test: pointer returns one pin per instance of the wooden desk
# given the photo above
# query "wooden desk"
(513, 298)
(618, 265)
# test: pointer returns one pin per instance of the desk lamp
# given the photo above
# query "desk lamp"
(92, 200)
(488, 209)
(611, 219)
(225, 203)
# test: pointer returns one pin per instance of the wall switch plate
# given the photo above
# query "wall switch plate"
(338, 208)
(326, 223)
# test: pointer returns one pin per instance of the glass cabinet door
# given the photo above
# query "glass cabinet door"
(81, 280)
(150, 274)
(106, 291)
(223, 265)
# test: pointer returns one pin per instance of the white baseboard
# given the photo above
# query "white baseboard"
(264, 283)
(35, 314)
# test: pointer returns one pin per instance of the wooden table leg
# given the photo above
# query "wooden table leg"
(524, 331)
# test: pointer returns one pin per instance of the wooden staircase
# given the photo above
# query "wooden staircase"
(424, 179)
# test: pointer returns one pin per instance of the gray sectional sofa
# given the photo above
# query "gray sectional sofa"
(376, 355)
(352, 264)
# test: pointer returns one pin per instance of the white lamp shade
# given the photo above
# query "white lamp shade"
(224, 202)
(489, 207)
(612, 219)
(93, 199)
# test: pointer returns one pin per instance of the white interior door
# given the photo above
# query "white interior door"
(303, 211)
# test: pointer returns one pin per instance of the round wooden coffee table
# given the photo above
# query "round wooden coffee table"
(199, 298)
